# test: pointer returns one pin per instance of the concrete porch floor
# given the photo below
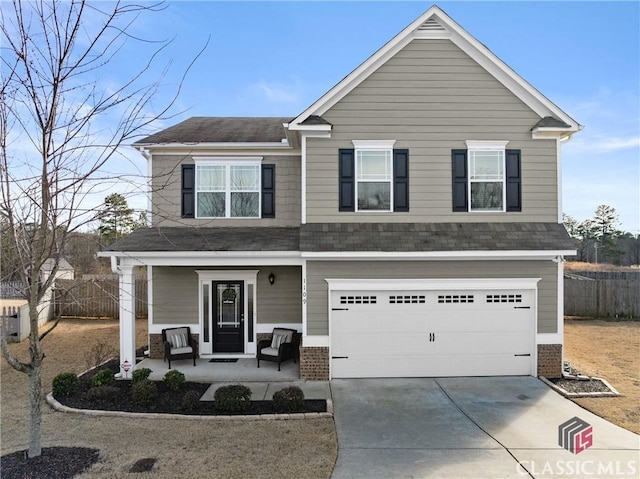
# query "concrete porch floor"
(263, 381)
(244, 370)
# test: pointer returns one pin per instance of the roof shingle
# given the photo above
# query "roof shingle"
(353, 237)
(415, 237)
(200, 129)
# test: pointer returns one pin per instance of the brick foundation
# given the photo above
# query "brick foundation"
(156, 347)
(314, 363)
(550, 360)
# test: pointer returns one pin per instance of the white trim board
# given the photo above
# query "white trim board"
(339, 284)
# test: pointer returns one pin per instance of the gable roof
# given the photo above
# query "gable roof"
(199, 129)
(436, 24)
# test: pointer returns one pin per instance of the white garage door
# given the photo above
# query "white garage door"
(431, 333)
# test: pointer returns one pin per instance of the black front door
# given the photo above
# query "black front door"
(228, 317)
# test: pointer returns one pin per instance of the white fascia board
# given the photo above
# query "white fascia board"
(466, 42)
(221, 148)
(564, 134)
(207, 258)
(222, 144)
(341, 284)
(311, 128)
(437, 255)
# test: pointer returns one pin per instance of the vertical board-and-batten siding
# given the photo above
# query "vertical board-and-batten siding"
(431, 97)
(175, 294)
(167, 193)
(318, 271)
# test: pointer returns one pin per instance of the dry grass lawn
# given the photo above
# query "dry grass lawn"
(183, 448)
(610, 350)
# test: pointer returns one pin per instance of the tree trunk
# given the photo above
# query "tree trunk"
(35, 416)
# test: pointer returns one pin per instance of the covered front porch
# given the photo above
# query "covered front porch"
(230, 292)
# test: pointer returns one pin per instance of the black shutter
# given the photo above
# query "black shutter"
(188, 191)
(346, 178)
(401, 180)
(514, 180)
(268, 191)
(459, 175)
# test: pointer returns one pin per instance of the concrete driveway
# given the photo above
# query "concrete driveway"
(490, 427)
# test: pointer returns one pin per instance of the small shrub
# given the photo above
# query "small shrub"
(65, 384)
(103, 378)
(140, 374)
(191, 400)
(98, 354)
(144, 392)
(289, 399)
(233, 399)
(102, 392)
(174, 380)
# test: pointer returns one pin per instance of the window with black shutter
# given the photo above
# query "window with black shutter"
(228, 189)
(486, 178)
(373, 179)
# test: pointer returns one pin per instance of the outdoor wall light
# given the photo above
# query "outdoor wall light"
(272, 279)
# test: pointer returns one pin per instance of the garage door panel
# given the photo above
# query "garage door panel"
(481, 365)
(432, 333)
(346, 322)
(464, 344)
(388, 344)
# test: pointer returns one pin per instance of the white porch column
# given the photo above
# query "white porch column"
(127, 321)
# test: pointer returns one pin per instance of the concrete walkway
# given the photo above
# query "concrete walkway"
(263, 391)
(498, 427)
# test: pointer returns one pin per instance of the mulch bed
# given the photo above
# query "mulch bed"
(118, 398)
(581, 385)
(55, 462)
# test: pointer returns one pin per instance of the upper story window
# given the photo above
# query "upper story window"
(487, 175)
(374, 175)
(228, 189)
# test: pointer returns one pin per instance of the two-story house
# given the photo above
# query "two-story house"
(408, 223)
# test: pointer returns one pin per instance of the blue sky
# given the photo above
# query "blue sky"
(276, 58)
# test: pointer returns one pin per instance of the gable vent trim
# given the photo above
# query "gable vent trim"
(431, 29)
(431, 25)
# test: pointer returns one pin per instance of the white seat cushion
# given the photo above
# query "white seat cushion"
(184, 350)
(269, 351)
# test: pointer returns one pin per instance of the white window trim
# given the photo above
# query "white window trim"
(227, 162)
(376, 145)
(487, 145)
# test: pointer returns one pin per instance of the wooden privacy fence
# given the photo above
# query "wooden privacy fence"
(96, 298)
(602, 298)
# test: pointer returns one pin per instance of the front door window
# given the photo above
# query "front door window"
(228, 317)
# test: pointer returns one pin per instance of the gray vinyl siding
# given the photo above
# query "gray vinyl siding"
(167, 193)
(319, 271)
(175, 294)
(431, 97)
(282, 301)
